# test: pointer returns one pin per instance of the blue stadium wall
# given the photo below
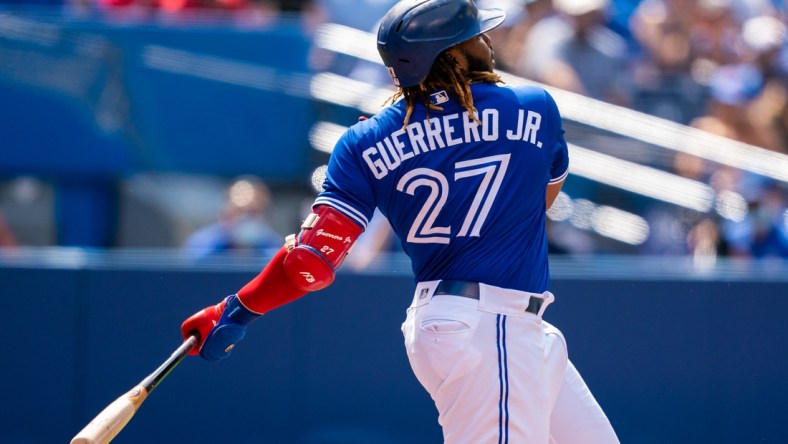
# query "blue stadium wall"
(673, 358)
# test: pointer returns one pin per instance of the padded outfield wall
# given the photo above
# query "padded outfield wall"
(674, 353)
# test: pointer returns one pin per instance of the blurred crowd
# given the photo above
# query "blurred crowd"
(720, 66)
(717, 65)
(242, 225)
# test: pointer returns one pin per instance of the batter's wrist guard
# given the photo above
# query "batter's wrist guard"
(229, 330)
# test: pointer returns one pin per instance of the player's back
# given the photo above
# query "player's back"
(466, 200)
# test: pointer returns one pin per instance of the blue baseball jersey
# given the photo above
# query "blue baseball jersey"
(467, 201)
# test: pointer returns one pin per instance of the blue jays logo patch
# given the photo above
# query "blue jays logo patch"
(439, 97)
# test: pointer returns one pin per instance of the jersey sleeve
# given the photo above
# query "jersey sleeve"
(559, 167)
(346, 187)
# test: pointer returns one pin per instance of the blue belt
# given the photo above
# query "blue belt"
(471, 290)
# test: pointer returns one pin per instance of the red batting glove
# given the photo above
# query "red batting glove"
(202, 322)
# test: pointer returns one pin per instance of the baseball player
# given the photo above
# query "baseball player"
(464, 169)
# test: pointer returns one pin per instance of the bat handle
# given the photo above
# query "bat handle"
(153, 380)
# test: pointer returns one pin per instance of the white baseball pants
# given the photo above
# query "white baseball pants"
(499, 374)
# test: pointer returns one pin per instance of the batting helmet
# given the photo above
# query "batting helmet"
(414, 32)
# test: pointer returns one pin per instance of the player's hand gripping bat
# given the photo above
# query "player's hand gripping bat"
(107, 424)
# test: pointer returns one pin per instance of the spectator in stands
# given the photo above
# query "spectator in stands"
(664, 85)
(715, 32)
(778, 120)
(677, 231)
(508, 38)
(242, 225)
(576, 51)
(764, 39)
(705, 241)
(763, 231)
(732, 89)
(747, 9)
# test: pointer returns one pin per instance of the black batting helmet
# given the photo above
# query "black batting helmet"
(414, 32)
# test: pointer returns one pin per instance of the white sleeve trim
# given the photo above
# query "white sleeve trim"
(343, 208)
(559, 178)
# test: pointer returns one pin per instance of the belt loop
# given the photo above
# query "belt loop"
(548, 299)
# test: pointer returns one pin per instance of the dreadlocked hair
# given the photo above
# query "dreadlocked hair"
(446, 73)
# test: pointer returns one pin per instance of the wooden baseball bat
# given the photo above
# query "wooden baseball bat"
(107, 424)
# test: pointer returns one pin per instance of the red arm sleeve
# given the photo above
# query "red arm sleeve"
(271, 288)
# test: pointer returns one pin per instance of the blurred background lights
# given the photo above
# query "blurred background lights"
(604, 220)
(242, 193)
(317, 178)
(731, 205)
(561, 209)
(582, 214)
(324, 135)
(620, 225)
